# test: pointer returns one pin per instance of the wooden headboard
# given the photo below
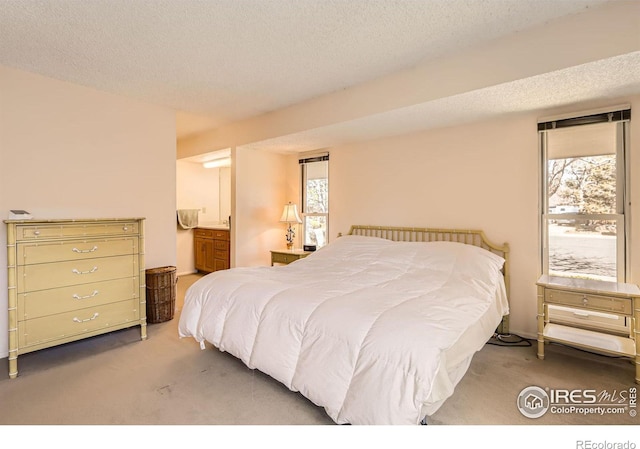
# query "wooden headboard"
(469, 237)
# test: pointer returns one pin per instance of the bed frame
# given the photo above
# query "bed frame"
(469, 237)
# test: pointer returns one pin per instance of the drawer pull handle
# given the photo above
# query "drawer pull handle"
(124, 228)
(585, 300)
(78, 320)
(85, 272)
(36, 232)
(581, 314)
(76, 296)
(76, 250)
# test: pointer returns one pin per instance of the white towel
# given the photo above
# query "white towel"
(188, 218)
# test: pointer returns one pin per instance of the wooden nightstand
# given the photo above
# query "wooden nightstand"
(287, 256)
(593, 315)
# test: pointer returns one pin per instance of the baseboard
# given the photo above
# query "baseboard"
(526, 335)
(186, 273)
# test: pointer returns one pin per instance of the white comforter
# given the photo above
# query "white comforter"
(374, 331)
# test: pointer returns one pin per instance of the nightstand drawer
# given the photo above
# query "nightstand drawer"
(590, 319)
(284, 258)
(587, 300)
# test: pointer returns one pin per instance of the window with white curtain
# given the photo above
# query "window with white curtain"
(584, 216)
(315, 200)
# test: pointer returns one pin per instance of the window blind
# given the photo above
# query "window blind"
(587, 119)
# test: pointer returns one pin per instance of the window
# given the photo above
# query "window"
(315, 200)
(584, 212)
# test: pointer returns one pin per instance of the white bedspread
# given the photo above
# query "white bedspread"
(374, 331)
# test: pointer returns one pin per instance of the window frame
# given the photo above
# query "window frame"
(303, 200)
(622, 215)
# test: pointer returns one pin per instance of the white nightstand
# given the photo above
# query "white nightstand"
(593, 315)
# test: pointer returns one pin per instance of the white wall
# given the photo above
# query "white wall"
(475, 176)
(71, 152)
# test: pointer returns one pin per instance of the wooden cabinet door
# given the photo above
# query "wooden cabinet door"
(201, 253)
(209, 260)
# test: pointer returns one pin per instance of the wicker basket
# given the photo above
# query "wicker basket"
(161, 294)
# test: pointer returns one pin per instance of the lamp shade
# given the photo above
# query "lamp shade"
(290, 214)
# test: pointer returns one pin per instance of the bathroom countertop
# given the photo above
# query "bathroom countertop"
(214, 226)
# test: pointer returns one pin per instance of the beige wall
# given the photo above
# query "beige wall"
(475, 176)
(71, 152)
(261, 187)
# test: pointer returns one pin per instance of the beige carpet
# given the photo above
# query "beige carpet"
(118, 379)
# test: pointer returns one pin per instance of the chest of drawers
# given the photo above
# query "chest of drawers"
(72, 279)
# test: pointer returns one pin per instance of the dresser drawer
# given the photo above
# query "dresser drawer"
(32, 252)
(596, 302)
(44, 231)
(69, 324)
(65, 299)
(75, 272)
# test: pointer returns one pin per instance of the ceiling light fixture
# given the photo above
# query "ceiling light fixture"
(223, 162)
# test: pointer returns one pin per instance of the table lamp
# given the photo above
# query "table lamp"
(290, 216)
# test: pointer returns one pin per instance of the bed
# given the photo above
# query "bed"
(377, 327)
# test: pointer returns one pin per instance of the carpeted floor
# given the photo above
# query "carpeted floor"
(118, 379)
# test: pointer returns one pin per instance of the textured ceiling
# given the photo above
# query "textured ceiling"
(609, 78)
(220, 61)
